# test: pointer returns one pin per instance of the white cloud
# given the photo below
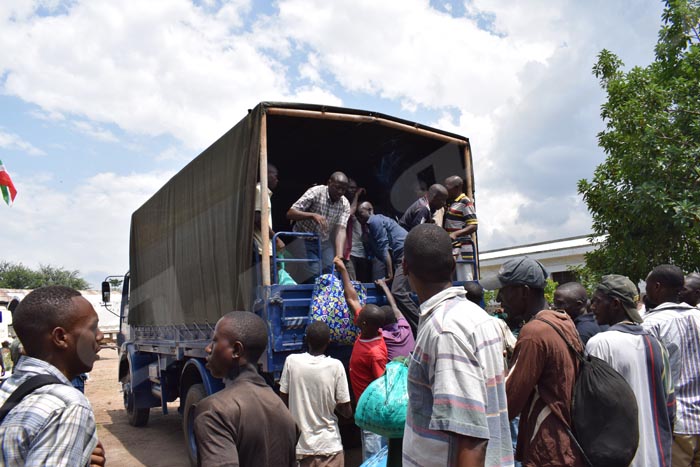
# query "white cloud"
(151, 68)
(95, 131)
(406, 50)
(14, 142)
(83, 228)
(522, 91)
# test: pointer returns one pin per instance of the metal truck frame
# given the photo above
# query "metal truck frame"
(162, 341)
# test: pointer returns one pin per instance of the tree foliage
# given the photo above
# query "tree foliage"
(646, 195)
(19, 276)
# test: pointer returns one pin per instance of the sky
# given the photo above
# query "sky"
(102, 101)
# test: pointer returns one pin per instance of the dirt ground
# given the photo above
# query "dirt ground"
(160, 443)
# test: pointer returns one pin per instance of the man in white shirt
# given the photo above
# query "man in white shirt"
(313, 386)
(641, 359)
(272, 181)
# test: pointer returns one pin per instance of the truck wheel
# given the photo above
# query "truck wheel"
(137, 417)
(195, 393)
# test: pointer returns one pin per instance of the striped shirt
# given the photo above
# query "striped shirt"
(456, 384)
(54, 425)
(317, 200)
(677, 326)
(458, 216)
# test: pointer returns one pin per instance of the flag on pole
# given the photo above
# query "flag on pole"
(7, 188)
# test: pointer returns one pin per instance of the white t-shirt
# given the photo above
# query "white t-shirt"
(315, 384)
(358, 248)
(626, 353)
(257, 235)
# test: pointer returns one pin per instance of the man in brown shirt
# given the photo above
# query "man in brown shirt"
(246, 423)
(541, 380)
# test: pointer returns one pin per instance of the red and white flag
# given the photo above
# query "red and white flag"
(7, 188)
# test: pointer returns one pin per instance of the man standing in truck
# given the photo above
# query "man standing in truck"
(385, 240)
(322, 209)
(423, 209)
(460, 222)
(272, 181)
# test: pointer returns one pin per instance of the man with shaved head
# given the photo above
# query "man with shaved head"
(54, 424)
(385, 240)
(690, 293)
(245, 423)
(572, 298)
(422, 210)
(460, 222)
(323, 210)
(457, 410)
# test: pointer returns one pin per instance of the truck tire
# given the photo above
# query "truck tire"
(195, 393)
(137, 417)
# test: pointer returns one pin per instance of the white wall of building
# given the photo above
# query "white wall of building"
(555, 256)
(109, 323)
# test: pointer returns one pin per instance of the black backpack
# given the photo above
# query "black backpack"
(603, 412)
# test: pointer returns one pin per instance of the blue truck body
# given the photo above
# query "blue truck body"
(182, 278)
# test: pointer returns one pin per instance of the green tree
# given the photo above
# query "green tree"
(19, 276)
(587, 278)
(646, 195)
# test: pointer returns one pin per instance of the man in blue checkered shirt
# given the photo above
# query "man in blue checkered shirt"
(54, 425)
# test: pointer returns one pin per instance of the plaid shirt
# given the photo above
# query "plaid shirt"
(317, 200)
(53, 426)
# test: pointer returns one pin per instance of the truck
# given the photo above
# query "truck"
(191, 254)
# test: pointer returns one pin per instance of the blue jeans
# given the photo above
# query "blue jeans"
(79, 382)
(514, 437)
(306, 273)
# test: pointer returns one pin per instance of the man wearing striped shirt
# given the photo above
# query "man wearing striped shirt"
(457, 411)
(460, 221)
(677, 326)
(54, 425)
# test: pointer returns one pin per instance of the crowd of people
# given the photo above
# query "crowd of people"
(482, 391)
(487, 392)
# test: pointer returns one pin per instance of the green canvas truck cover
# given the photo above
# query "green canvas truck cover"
(191, 247)
(190, 243)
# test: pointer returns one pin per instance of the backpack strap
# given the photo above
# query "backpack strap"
(24, 389)
(578, 354)
(581, 358)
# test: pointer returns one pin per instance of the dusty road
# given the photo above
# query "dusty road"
(159, 444)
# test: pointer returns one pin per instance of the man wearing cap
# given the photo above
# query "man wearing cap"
(540, 383)
(677, 326)
(642, 360)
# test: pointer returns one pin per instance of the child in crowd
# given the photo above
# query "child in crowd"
(314, 386)
(396, 330)
(369, 354)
